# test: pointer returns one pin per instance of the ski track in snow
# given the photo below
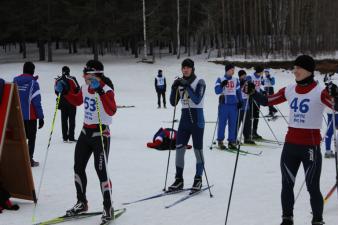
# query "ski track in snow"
(138, 172)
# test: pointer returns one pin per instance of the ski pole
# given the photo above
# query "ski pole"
(325, 120)
(267, 124)
(335, 138)
(287, 122)
(329, 194)
(46, 155)
(327, 130)
(200, 153)
(213, 136)
(171, 137)
(103, 149)
(252, 119)
(238, 124)
(236, 162)
(300, 190)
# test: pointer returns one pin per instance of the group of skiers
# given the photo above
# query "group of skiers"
(233, 102)
(306, 99)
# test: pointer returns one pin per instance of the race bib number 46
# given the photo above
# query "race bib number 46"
(300, 108)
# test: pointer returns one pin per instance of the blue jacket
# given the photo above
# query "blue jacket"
(30, 98)
(232, 98)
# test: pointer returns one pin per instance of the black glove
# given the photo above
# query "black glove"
(249, 88)
(239, 105)
(41, 123)
(264, 93)
(224, 83)
(332, 89)
(176, 83)
(221, 99)
(184, 83)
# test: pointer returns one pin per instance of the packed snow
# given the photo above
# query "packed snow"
(138, 172)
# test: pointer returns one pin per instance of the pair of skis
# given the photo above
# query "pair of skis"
(66, 218)
(241, 152)
(182, 199)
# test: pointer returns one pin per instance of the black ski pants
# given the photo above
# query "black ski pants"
(292, 156)
(255, 116)
(68, 115)
(159, 94)
(31, 128)
(90, 142)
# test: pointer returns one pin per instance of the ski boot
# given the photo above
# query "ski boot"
(221, 145)
(197, 185)
(249, 142)
(177, 185)
(329, 154)
(79, 207)
(34, 163)
(73, 140)
(107, 214)
(257, 137)
(232, 145)
(321, 222)
(287, 220)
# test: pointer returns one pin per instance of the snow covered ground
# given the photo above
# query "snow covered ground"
(138, 172)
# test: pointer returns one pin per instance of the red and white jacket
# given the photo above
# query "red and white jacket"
(306, 107)
(106, 104)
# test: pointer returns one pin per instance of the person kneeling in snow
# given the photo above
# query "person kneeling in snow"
(164, 139)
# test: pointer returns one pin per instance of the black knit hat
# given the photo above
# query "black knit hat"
(241, 73)
(306, 62)
(65, 70)
(229, 67)
(94, 67)
(28, 68)
(259, 69)
(188, 63)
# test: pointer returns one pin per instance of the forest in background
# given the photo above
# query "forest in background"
(263, 28)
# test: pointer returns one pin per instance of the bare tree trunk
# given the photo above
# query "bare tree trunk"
(144, 31)
(42, 52)
(95, 51)
(188, 28)
(24, 49)
(49, 43)
(178, 31)
(223, 29)
(49, 51)
(74, 47)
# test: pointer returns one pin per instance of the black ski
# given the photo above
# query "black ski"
(241, 152)
(117, 214)
(157, 196)
(187, 197)
(273, 118)
(269, 141)
(125, 106)
(66, 218)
